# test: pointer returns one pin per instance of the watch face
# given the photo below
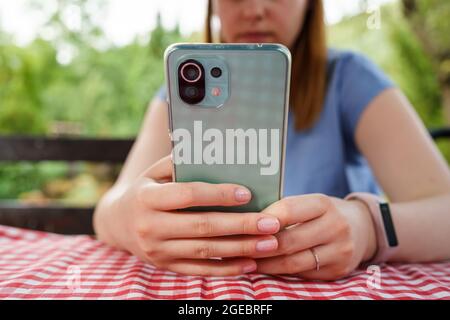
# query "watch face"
(388, 225)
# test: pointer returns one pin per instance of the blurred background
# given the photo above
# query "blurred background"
(88, 68)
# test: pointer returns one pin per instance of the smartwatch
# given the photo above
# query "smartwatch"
(387, 242)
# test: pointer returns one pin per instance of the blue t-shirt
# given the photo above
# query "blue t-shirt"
(325, 158)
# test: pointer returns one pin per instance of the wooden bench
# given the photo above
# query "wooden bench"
(56, 218)
(69, 220)
(441, 133)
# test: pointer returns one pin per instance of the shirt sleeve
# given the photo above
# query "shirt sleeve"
(162, 93)
(362, 81)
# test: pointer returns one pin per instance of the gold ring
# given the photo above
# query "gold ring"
(316, 257)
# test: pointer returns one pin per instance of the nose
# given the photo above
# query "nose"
(254, 9)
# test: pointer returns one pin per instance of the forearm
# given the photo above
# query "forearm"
(423, 229)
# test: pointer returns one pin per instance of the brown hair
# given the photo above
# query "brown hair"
(309, 56)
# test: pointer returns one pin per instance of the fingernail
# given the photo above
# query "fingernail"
(242, 195)
(268, 225)
(266, 245)
(249, 268)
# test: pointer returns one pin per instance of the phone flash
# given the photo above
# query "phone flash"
(216, 92)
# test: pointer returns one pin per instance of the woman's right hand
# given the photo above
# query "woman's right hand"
(143, 219)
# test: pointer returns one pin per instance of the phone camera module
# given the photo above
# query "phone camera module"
(191, 81)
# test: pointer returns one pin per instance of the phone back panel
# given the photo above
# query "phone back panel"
(259, 79)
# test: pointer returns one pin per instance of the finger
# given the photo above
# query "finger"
(310, 234)
(182, 225)
(299, 209)
(298, 262)
(216, 268)
(161, 170)
(218, 247)
(326, 274)
(173, 196)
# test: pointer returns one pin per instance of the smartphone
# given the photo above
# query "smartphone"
(228, 109)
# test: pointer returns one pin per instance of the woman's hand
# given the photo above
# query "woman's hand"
(340, 232)
(144, 220)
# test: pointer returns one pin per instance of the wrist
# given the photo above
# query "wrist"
(367, 230)
(100, 223)
(104, 216)
(385, 235)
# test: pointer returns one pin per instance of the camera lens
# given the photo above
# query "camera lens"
(191, 81)
(191, 92)
(216, 72)
(191, 72)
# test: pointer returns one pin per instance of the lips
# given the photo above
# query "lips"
(256, 37)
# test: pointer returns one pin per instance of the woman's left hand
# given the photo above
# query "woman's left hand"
(339, 232)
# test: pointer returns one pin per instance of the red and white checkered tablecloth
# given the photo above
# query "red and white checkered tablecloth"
(36, 265)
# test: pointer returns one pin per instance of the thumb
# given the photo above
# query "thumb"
(161, 171)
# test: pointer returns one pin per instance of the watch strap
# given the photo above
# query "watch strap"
(387, 242)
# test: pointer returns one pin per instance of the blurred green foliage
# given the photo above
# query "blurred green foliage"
(101, 92)
(104, 90)
(399, 53)
(432, 17)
